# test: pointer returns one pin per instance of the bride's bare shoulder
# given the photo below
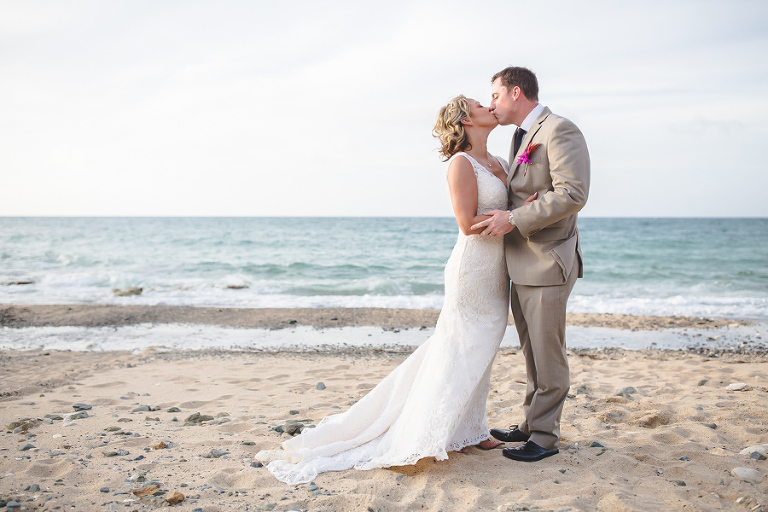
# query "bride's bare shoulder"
(459, 165)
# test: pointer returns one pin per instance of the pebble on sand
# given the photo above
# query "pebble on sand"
(146, 490)
(625, 391)
(759, 448)
(267, 456)
(197, 418)
(215, 454)
(175, 498)
(738, 386)
(748, 474)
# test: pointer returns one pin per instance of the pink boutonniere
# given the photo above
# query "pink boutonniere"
(525, 157)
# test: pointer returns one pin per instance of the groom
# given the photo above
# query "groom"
(549, 157)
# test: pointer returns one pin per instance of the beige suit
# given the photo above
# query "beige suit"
(544, 259)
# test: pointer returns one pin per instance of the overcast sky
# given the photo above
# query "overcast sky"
(315, 108)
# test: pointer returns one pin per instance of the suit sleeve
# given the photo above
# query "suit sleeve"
(569, 169)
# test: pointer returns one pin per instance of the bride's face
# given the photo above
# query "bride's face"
(503, 103)
(480, 115)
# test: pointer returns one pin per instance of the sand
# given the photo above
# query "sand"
(670, 443)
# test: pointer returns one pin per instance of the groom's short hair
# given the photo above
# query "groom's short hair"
(523, 78)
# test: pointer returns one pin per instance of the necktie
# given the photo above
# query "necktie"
(519, 136)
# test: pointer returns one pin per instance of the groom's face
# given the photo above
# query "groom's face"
(503, 104)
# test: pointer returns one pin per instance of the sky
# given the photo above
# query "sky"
(325, 108)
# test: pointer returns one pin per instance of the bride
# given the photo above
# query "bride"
(434, 402)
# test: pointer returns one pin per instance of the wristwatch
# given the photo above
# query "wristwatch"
(511, 219)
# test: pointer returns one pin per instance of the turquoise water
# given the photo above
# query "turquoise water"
(707, 267)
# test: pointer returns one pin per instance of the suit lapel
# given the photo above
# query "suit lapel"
(513, 165)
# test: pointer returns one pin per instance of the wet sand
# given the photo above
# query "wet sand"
(99, 315)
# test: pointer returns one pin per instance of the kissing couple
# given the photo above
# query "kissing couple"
(518, 247)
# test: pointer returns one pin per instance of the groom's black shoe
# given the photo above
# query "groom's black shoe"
(528, 452)
(514, 435)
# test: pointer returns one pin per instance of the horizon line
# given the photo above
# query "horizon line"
(346, 217)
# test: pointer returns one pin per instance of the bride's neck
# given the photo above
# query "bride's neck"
(479, 143)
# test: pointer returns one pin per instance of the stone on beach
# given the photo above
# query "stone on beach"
(626, 391)
(145, 408)
(267, 456)
(175, 498)
(215, 454)
(113, 453)
(146, 490)
(23, 425)
(748, 474)
(738, 386)
(18, 282)
(291, 427)
(197, 418)
(125, 292)
(759, 448)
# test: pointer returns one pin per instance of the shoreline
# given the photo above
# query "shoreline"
(103, 315)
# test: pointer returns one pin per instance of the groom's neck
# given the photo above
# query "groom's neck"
(525, 107)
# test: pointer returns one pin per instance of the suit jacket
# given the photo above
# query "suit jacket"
(544, 248)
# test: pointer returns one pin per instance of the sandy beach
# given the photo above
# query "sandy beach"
(642, 430)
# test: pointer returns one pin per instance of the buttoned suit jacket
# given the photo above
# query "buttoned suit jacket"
(544, 248)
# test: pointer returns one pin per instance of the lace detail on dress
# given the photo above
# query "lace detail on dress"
(491, 191)
(435, 401)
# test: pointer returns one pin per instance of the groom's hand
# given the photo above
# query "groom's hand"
(497, 225)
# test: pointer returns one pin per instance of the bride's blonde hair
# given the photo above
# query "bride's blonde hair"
(448, 128)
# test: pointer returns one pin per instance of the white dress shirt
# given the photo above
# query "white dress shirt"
(531, 117)
(526, 125)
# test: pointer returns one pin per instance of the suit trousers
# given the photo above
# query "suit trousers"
(539, 313)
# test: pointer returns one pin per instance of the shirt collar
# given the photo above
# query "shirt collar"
(530, 118)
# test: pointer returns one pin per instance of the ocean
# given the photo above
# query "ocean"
(653, 266)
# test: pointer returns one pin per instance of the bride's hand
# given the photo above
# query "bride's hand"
(531, 199)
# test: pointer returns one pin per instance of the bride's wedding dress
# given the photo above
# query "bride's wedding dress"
(434, 402)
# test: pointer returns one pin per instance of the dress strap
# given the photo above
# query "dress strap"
(471, 161)
(476, 165)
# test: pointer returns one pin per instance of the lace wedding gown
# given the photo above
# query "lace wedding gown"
(434, 402)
